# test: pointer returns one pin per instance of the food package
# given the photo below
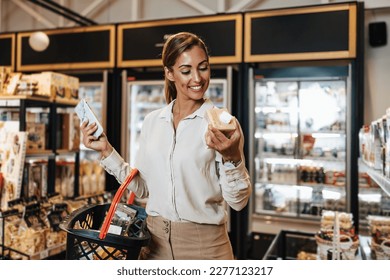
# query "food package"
(27, 86)
(337, 233)
(4, 76)
(72, 88)
(70, 132)
(328, 218)
(36, 139)
(122, 220)
(221, 119)
(380, 236)
(51, 84)
(35, 178)
(11, 83)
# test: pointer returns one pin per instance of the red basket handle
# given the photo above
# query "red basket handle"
(115, 201)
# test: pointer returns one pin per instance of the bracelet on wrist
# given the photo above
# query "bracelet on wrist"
(235, 163)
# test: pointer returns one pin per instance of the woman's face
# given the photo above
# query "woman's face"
(191, 74)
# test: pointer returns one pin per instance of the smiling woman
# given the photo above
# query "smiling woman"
(188, 79)
(185, 164)
(192, 64)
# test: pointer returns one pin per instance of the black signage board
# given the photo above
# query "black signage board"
(307, 33)
(140, 44)
(7, 50)
(74, 48)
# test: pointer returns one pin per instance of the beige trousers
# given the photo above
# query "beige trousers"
(186, 240)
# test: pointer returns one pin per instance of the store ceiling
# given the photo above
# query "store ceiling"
(63, 11)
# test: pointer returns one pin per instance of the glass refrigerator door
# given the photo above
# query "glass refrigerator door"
(299, 146)
(146, 96)
(92, 175)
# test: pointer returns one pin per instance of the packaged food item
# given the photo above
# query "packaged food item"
(12, 83)
(221, 119)
(380, 236)
(336, 238)
(84, 112)
(122, 220)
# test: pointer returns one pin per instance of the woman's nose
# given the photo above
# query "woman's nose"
(196, 76)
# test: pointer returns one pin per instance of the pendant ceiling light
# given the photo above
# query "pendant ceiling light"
(39, 41)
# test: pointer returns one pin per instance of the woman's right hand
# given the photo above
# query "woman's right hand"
(100, 144)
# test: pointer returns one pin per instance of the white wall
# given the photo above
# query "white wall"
(377, 69)
(21, 15)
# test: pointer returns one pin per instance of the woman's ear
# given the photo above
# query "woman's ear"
(168, 74)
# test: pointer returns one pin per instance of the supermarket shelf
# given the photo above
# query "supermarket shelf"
(274, 158)
(39, 153)
(14, 100)
(264, 181)
(67, 102)
(28, 97)
(380, 179)
(272, 224)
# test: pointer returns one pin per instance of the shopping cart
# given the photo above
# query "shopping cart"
(87, 231)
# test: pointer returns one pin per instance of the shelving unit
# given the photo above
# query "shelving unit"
(50, 152)
(380, 179)
(22, 103)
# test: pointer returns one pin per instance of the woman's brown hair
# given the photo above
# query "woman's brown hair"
(173, 48)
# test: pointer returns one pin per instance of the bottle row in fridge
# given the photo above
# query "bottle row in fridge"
(306, 172)
(295, 200)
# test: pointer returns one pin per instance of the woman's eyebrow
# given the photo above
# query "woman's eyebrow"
(188, 65)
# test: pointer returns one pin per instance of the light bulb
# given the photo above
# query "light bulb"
(39, 41)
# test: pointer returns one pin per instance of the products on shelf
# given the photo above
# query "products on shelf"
(31, 228)
(298, 200)
(36, 139)
(53, 85)
(35, 178)
(374, 144)
(92, 178)
(336, 238)
(4, 76)
(12, 164)
(64, 181)
(68, 131)
(30, 220)
(380, 237)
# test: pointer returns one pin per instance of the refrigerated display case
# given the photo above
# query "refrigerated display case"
(142, 97)
(300, 157)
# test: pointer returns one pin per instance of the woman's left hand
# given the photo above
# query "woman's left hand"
(228, 145)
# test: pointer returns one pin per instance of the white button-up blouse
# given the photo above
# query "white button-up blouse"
(183, 179)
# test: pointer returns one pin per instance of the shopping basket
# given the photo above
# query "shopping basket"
(87, 228)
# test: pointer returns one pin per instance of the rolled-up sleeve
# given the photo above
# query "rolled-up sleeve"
(115, 165)
(236, 186)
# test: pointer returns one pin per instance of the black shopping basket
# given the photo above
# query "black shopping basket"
(87, 227)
